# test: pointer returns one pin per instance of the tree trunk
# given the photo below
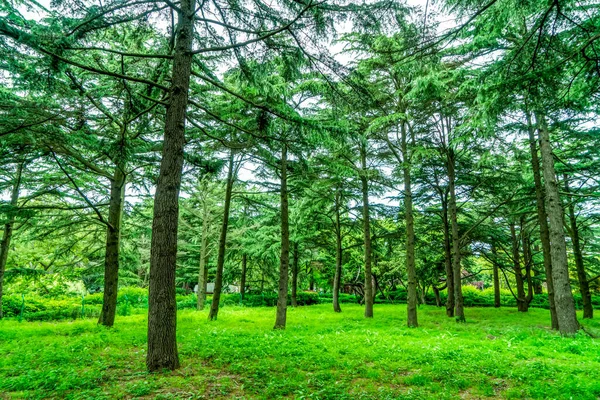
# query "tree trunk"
(367, 234)
(214, 307)
(162, 305)
(295, 275)
(8, 228)
(496, 279)
(543, 222)
(527, 262)
(284, 260)
(410, 236)
(584, 286)
(337, 279)
(563, 296)
(459, 308)
(243, 278)
(203, 271)
(113, 241)
(438, 299)
(448, 259)
(517, 268)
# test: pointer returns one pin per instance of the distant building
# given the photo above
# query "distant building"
(210, 288)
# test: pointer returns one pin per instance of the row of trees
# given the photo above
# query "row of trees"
(428, 160)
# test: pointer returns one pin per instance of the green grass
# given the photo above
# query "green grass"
(321, 355)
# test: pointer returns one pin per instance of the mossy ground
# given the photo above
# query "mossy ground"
(321, 355)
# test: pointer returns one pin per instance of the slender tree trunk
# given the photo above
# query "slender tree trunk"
(459, 307)
(214, 307)
(203, 271)
(543, 221)
(584, 286)
(563, 296)
(295, 275)
(527, 263)
(496, 279)
(113, 241)
(448, 259)
(8, 228)
(438, 299)
(337, 279)
(243, 278)
(162, 305)
(410, 235)
(517, 269)
(284, 260)
(367, 234)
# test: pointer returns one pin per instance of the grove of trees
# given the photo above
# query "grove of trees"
(331, 146)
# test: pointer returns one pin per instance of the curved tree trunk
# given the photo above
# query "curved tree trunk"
(542, 221)
(496, 278)
(8, 228)
(284, 260)
(113, 241)
(584, 286)
(162, 305)
(337, 279)
(214, 307)
(369, 292)
(410, 236)
(563, 296)
(459, 308)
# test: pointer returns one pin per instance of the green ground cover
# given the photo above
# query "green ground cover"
(322, 355)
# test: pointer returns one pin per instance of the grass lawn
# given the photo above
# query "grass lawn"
(322, 355)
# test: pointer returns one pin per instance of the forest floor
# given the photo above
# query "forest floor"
(498, 353)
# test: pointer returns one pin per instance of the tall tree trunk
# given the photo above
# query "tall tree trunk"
(410, 235)
(448, 259)
(113, 241)
(527, 263)
(517, 268)
(337, 279)
(496, 278)
(214, 307)
(162, 305)
(8, 228)
(284, 260)
(203, 271)
(584, 286)
(243, 278)
(563, 296)
(542, 221)
(295, 275)
(459, 307)
(369, 292)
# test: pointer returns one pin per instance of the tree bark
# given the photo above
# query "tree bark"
(113, 241)
(8, 228)
(459, 308)
(243, 278)
(295, 275)
(584, 286)
(337, 279)
(496, 278)
(203, 271)
(563, 296)
(543, 221)
(162, 305)
(214, 307)
(284, 260)
(517, 269)
(527, 263)
(369, 293)
(411, 308)
(448, 259)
